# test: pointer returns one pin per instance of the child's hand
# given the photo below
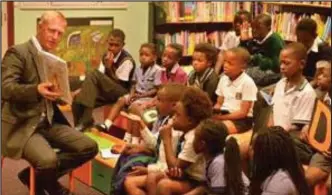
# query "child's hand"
(174, 172)
(109, 59)
(217, 106)
(138, 120)
(138, 170)
(245, 31)
(166, 130)
(327, 154)
(304, 133)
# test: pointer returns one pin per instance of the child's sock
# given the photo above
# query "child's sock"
(135, 140)
(108, 123)
(127, 137)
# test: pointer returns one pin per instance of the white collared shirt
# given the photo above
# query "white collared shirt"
(230, 41)
(234, 92)
(265, 38)
(123, 71)
(314, 47)
(294, 106)
(36, 43)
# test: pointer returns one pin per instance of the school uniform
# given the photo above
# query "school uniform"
(215, 172)
(294, 106)
(153, 141)
(264, 66)
(279, 183)
(207, 81)
(230, 41)
(176, 75)
(103, 86)
(145, 81)
(195, 173)
(243, 88)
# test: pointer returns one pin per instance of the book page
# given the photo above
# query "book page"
(56, 72)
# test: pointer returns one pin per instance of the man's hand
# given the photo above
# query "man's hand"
(109, 59)
(47, 91)
(174, 172)
(138, 170)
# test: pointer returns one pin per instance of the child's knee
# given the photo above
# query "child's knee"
(129, 184)
(163, 186)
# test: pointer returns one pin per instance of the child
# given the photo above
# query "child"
(276, 167)
(167, 97)
(203, 76)
(172, 71)
(193, 107)
(232, 38)
(324, 83)
(306, 33)
(265, 49)
(224, 173)
(147, 78)
(320, 162)
(106, 84)
(236, 92)
(294, 98)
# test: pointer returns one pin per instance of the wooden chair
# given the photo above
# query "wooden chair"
(33, 182)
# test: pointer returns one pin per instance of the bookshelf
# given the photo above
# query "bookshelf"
(325, 4)
(286, 15)
(189, 23)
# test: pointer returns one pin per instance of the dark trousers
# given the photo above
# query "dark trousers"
(97, 90)
(74, 150)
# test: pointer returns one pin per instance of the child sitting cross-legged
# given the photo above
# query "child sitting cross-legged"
(147, 81)
(236, 92)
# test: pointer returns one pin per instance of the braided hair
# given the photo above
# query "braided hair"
(273, 150)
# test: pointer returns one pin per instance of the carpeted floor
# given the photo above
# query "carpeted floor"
(12, 186)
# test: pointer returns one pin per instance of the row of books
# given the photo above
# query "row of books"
(190, 39)
(205, 11)
(285, 24)
(327, 3)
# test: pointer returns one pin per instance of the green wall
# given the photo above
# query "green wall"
(134, 21)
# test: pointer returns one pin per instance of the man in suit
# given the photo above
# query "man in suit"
(107, 83)
(32, 124)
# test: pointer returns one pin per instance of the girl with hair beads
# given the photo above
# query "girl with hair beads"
(276, 168)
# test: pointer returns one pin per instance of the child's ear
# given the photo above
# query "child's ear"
(303, 63)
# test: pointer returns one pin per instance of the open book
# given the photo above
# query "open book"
(56, 72)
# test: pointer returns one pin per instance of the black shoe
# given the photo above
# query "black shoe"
(101, 127)
(84, 126)
(57, 189)
(24, 177)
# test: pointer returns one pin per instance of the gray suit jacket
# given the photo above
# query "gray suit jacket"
(22, 104)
